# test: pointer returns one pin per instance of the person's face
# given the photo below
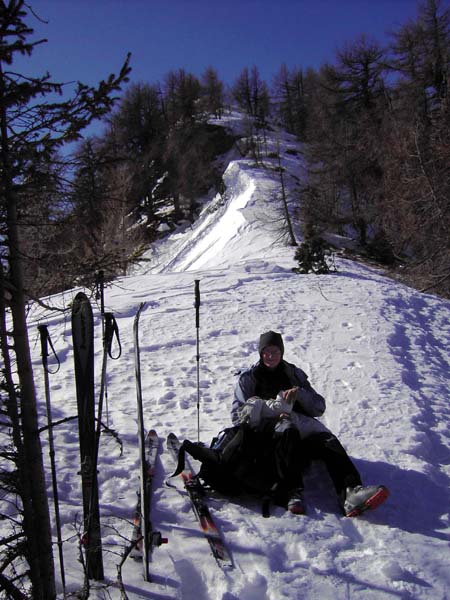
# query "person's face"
(271, 356)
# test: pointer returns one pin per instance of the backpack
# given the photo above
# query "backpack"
(244, 460)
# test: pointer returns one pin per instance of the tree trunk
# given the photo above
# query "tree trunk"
(36, 509)
(38, 522)
(292, 240)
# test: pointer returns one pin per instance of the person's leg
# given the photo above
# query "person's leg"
(290, 461)
(326, 447)
(289, 458)
(354, 498)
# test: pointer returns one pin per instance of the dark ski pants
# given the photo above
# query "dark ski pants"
(326, 447)
(288, 458)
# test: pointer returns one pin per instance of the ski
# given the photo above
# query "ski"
(142, 521)
(143, 498)
(201, 509)
(83, 349)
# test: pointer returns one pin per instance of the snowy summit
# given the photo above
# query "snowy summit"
(378, 352)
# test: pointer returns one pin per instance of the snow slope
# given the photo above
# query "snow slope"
(378, 351)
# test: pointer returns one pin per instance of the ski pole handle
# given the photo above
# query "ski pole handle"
(197, 303)
(43, 332)
(101, 291)
(45, 342)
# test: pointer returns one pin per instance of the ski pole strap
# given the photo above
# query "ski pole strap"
(111, 330)
(45, 342)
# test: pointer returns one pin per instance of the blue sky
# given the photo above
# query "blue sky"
(88, 39)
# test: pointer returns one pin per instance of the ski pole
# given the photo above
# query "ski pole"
(111, 330)
(45, 340)
(197, 325)
(100, 295)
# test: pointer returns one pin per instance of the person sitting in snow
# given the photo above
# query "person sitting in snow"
(274, 388)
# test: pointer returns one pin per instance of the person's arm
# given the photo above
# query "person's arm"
(307, 400)
(255, 412)
(243, 390)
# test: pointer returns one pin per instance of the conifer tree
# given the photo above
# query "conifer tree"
(30, 131)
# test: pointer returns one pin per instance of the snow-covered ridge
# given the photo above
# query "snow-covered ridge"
(244, 223)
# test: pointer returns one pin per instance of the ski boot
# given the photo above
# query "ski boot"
(296, 502)
(360, 498)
